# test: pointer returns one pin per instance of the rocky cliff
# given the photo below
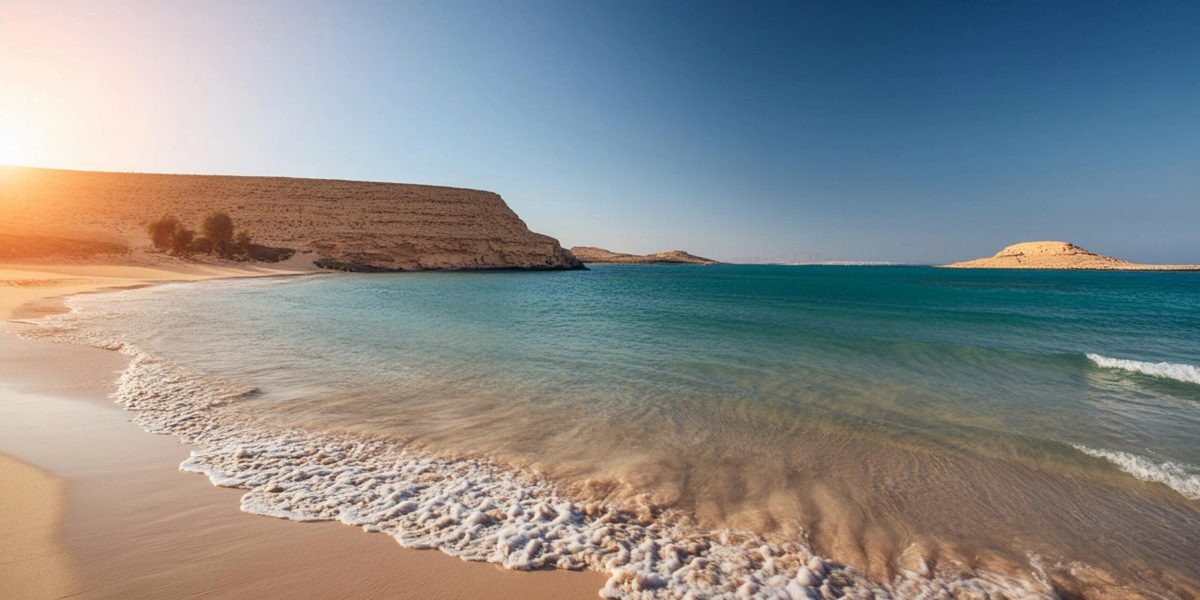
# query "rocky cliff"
(347, 224)
(1059, 255)
(591, 254)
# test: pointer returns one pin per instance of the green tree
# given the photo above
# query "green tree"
(162, 230)
(217, 228)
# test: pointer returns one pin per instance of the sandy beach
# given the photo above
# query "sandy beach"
(649, 301)
(99, 509)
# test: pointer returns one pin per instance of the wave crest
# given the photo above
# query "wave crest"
(1165, 370)
(479, 510)
(1181, 478)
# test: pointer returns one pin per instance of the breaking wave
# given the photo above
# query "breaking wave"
(1181, 478)
(479, 510)
(1165, 370)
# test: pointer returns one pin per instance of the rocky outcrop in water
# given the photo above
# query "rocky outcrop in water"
(591, 254)
(354, 225)
(1059, 255)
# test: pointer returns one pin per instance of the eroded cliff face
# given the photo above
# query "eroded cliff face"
(348, 224)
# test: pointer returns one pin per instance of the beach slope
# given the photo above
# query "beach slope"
(95, 508)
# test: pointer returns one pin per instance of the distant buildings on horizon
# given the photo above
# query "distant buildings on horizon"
(808, 259)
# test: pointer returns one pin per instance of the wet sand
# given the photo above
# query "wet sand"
(32, 565)
(101, 510)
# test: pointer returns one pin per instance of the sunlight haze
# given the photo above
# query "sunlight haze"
(859, 131)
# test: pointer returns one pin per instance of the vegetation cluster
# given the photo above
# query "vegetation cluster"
(217, 237)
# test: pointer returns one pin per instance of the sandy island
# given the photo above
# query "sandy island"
(95, 508)
(1059, 255)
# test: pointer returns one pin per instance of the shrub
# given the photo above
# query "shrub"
(201, 245)
(241, 243)
(216, 237)
(162, 230)
(181, 240)
(217, 228)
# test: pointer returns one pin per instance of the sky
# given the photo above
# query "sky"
(908, 131)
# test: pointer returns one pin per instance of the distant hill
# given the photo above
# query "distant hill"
(591, 254)
(1059, 255)
(352, 225)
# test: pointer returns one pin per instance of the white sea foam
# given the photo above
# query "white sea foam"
(1166, 370)
(1181, 478)
(482, 511)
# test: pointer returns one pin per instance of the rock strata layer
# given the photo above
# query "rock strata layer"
(352, 225)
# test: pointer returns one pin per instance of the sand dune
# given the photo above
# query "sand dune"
(1059, 255)
(350, 224)
(591, 254)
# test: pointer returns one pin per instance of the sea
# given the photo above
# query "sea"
(717, 431)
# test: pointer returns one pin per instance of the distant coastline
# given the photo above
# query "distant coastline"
(845, 263)
(592, 254)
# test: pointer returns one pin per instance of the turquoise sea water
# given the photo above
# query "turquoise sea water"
(980, 417)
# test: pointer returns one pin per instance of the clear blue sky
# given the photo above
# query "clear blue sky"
(912, 131)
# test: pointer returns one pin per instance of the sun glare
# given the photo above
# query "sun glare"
(16, 140)
(26, 125)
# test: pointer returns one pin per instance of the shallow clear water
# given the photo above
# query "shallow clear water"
(869, 410)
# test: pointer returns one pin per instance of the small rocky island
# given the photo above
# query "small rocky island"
(591, 254)
(1059, 255)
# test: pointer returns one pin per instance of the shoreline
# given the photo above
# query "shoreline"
(287, 474)
(130, 525)
(242, 472)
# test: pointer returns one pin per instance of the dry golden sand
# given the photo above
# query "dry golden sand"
(95, 508)
(1059, 255)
